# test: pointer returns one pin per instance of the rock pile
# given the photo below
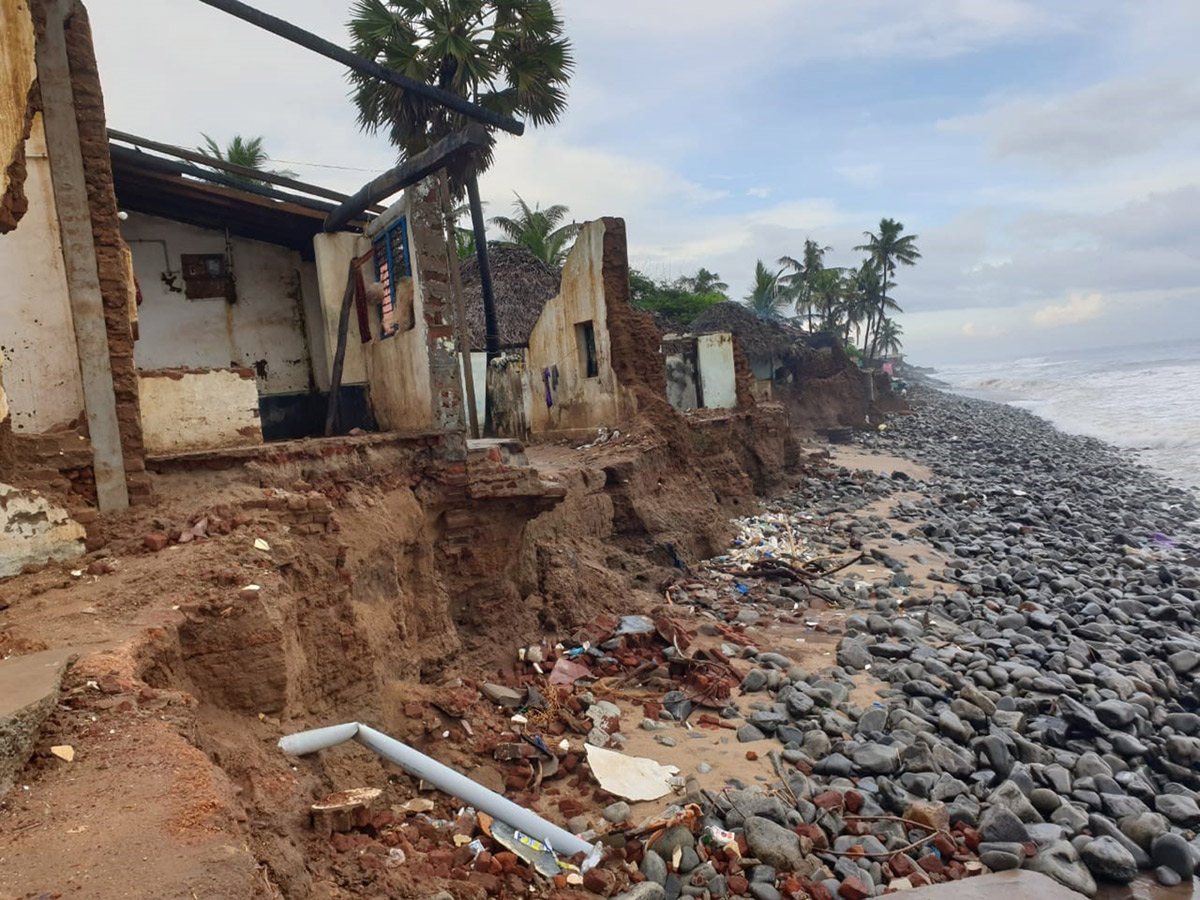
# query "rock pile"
(1042, 704)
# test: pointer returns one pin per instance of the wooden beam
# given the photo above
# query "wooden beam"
(310, 41)
(446, 151)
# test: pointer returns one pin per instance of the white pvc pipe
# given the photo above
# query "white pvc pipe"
(442, 777)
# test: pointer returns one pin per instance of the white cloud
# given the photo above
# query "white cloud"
(760, 192)
(1078, 308)
(1097, 124)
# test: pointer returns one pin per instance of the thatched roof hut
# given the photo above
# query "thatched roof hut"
(761, 339)
(523, 284)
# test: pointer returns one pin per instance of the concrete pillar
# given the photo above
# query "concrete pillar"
(79, 257)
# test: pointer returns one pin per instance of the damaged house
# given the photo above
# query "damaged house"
(558, 374)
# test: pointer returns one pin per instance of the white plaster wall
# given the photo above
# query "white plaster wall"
(479, 371)
(398, 371)
(37, 334)
(398, 380)
(718, 380)
(32, 530)
(204, 410)
(579, 402)
(681, 386)
(334, 252)
(3, 396)
(266, 323)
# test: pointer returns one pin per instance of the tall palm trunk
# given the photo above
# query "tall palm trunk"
(879, 313)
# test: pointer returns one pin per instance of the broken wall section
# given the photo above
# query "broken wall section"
(571, 358)
(18, 93)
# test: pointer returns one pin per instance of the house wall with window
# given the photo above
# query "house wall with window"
(397, 357)
(390, 354)
(212, 302)
(569, 362)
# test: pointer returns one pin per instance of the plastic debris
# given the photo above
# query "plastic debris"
(629, 777)
(260, 544)
(64, 752)
(538, 854)
(442, 777)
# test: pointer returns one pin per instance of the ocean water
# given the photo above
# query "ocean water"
(1141, 398)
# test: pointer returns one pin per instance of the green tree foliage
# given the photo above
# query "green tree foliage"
(245, 152)
(538, 230)
(704, 282)
(510, 56)
(889, 337)
(676, 300)
(765, 297)
(798, 275)
(886, 249)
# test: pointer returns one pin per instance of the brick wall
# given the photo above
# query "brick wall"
(433, 273)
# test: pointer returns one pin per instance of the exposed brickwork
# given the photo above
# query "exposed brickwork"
(432, 268)
(743, 377)
(634, 337)
(110, 261)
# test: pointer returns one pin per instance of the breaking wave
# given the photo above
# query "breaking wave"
(1141, 399)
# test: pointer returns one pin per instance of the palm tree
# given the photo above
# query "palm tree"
(765, 297)
(538, 230)
(888, 337)
(885, 250)
(509, 56)
(864, 293)
(245, 152)
(704, 282)
(802, 272)
(827, 292)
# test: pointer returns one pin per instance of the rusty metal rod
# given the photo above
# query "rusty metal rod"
(310, 41)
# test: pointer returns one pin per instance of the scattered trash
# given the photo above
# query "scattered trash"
(418, 805)
(603, 436)
(64, 751)
(538, 854)
(396, 857)
(260, 544)
(717, 838)
(629, 777)
(442, 777)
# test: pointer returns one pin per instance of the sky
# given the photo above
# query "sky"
(1045, 152)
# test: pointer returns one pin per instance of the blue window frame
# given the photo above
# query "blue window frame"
(391, 263)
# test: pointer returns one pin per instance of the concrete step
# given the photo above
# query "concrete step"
(29, 690)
